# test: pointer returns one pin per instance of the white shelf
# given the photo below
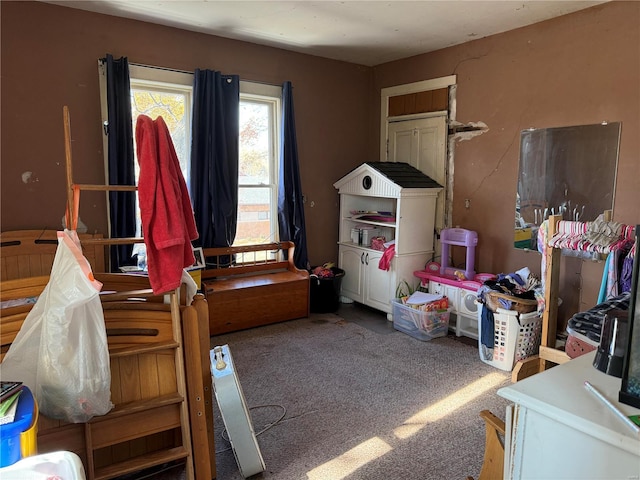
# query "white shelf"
(470, 332)
(412, 230)
(353, 244)
(372, 222)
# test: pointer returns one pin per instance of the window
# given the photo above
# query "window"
(258, 169)
(156, 91)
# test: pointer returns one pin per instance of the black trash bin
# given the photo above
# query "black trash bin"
(325, 292)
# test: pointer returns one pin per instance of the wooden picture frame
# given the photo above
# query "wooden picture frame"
(199, 255)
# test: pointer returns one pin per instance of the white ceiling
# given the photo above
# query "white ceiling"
(363, 32)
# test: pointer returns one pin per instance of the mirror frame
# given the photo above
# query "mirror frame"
(569, 171)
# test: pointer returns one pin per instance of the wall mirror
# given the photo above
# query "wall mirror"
(565, 170)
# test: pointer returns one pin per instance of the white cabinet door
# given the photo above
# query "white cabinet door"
(379, 285)
(351, 260)
(364, 281)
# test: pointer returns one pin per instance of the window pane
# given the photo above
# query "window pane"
(172, 107)
(259, 110)
(254, 216)
(257, 205)
(254, 143)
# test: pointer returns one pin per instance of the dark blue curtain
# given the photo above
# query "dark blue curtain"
(214, 157)
(122, 208)
(290, 207)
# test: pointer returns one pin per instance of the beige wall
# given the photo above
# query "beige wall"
(578, 69)
(49, 59)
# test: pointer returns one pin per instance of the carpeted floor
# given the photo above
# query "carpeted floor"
(359, 402)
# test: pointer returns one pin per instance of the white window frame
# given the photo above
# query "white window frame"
(162, 80)
(167, 78)
(269, 94)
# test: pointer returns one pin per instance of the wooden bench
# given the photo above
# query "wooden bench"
(253, 285)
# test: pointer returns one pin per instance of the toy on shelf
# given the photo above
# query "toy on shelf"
(464, 238)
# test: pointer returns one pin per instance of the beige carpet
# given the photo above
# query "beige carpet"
(360, 404)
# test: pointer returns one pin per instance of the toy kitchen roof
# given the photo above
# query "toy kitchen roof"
(385, 179)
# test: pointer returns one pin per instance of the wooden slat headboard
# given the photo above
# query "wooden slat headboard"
(30, 253)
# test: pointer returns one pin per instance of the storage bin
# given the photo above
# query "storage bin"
(46, 466)
(516, 337)
(11, 438)
(578, 344)
(419, 324)
(377, 243)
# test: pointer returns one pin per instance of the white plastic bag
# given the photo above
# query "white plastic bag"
(61, 351)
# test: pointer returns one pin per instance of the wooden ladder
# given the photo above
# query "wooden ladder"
(116, 443)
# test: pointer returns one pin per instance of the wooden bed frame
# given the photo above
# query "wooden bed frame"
(29, 253)
(160, 415)
(261, 286)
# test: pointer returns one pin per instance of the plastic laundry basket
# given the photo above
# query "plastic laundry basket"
(516, 337)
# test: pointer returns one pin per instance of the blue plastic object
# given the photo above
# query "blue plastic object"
(463, 238)
(10, 432)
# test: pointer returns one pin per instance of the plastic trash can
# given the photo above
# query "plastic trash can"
(325, 292)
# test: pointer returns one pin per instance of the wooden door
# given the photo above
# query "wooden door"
(422, 143)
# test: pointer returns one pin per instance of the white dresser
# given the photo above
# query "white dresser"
(557, 430)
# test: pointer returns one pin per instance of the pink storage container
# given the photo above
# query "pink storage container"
(377, 243)
(483, 277)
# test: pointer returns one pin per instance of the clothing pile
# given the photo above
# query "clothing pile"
(521, 285)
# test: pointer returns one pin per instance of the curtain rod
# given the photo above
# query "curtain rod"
(191, 73)
(160, 68)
